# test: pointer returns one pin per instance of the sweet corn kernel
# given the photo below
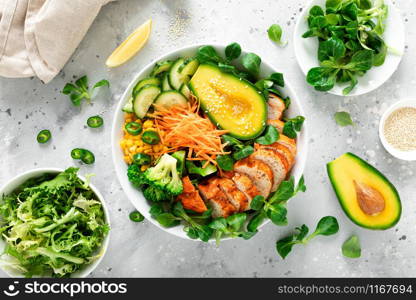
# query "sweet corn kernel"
(147, 151)
(148, 124)
(144, 168)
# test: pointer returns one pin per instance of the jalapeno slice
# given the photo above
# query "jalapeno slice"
(88, 157)
(43, 136)
(77, 153)
(95, 121)
(134, 128)
(142, 159)
(150, 137)
(135, 216)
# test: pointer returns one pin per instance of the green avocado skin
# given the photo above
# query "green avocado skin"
(369, 168)
(211, 116)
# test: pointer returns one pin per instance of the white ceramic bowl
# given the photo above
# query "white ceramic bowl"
(136, 196)
(15, 182)
(404, 155)
(306, 50)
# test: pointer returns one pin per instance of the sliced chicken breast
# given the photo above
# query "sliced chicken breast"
(234, 195)
(282, 150)
(276, 123)
(288, 142)
(245, 185)
(216, 198)
(259, 172)
(275, 161)
(275, 107)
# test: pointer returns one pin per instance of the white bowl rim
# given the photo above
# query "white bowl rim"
(88, 269)
(403, 155)
(301, 160)
(354, 92)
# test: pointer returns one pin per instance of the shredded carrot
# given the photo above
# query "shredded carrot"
(183, 127)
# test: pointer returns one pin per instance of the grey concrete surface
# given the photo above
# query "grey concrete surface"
(142, 250)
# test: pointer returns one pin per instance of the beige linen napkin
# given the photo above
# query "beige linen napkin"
(37, 37)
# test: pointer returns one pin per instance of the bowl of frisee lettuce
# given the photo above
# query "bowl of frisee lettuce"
(209, 143)
(53, 223)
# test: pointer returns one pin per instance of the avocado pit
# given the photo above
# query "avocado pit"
(369, 199)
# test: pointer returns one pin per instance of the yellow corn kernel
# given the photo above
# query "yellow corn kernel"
(138, 142)
(140, 149)
(129, 143)
(144, 168)
(147, 147)
(148, 124)
(132, 148)
(157, 148)
(147, 151)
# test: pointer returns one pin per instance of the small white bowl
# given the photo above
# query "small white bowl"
(135, 196)
(15, 182)
(403, 155)
(306, 50)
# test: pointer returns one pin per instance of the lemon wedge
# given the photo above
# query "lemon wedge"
(130, 46)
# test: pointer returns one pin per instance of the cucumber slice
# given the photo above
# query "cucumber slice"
(144, 99)
(182, 71)
(146, 81)
(165, 83)
(170, 98)
(189, 67)
(128, 107)
(185, 90)
(175, 78)
(160, 67)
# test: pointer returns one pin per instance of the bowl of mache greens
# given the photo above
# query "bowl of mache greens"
(53, 223)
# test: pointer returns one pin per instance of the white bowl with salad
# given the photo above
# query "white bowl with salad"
(349, 48)
(54, 223)
(208, 143)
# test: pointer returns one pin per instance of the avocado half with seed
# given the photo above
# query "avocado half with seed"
(231, 103)
(367, 197)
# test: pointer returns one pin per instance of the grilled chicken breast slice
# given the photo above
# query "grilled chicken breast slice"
(246, 186)
(259, 172)
(234, 195)
(275, 107)
(216, 198)
(276, 162)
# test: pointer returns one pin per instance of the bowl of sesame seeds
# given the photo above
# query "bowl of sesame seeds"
(397, 130)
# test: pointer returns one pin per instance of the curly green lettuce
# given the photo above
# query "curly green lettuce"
(53, 226)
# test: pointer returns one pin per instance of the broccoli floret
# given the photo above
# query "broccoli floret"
(165, 175)
(156, 194)
(136, 176)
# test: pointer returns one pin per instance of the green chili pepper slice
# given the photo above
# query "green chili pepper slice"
(150, 137)
(135, 216)
(88, 157)
(95, 121)
(43, 136)
(142, 159)
(77, 153)
(134, 128)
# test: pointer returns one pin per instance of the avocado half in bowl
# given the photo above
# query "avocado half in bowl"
(196, 87)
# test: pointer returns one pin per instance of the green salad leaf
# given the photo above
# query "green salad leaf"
(52, 225)
(326, 226)
(80, 90)
(275, 34)
(351, 248)
(343, 119)
(274, 208)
